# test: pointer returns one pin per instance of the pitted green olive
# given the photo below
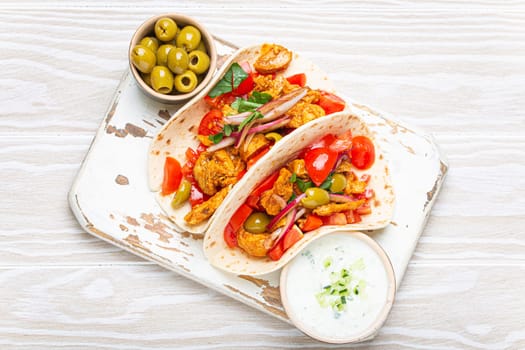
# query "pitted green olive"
(165, 29)
(189, 38)
(150, 42)
(315, 197)
(257, 222)
(182, 194)
(161, 79)
(178, 60)
(202, 47)
(185, 82)
(338, 183)
(199, 62)
(143, 58)
(162, 54)
(147, 78)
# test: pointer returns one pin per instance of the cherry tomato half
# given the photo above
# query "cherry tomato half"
(363, 152)
(246, 86)
(297, 79)
(219, 101)
(319, 162)
(211, 123)
(172, 176)
(331, 103)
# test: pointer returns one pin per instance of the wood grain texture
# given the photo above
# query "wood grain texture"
(453, 69)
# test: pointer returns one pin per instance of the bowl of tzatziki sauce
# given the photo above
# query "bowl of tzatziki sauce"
(340, 288)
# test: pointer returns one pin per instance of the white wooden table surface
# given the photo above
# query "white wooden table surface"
(454, 70)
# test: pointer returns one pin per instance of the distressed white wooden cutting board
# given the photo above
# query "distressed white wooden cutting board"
(111, 199)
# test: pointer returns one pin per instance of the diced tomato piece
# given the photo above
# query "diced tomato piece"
(191, 155)
(342, 143)
(335, 219)
(211, 123)
(240, 216)
(245, 87)
(219, 101)
(311, 223)
(266, 184)
(319, 162)
(230, 236)
(276, 252)
(254, 159)
(187, 172)
(291, 237)
(196, 195)
(352, 217)
(363, 152)
(297, 79)
(331, 103)
(288, 240)
(326, 141)
(172, 176)
(364, 209)
(253, 201)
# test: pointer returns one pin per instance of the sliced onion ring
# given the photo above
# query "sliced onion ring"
(285, 211)
(225, 142)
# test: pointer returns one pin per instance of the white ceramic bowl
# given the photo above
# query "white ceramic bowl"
(303, 300)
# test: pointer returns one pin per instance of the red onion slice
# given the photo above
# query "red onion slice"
(285, 211)
(225, 142)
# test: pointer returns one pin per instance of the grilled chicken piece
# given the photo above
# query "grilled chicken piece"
(203, 211)
(272, 58)
(297, 166)
(332, 208)
(252, 243)
(303, 113)
(344, 167)
(215, 170)
(257, 143)
(353, 184)
(269, 85)
(273, 199)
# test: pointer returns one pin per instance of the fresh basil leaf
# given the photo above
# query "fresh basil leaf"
(293, 178)
(245, 106)
(228, 129)
(231, 80)
(304, 185)
(260, 97)
(216, 138)
(249, 119)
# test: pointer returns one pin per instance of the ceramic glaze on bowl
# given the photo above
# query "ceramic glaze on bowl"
(340, 288)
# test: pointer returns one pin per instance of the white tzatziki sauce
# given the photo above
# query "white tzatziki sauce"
(337, 286)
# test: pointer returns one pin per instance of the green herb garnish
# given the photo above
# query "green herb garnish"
(230, 81)
(327, 183)
(304, 185)
(260, 97)
(228, 129)
(293, 178)
(216, 138)
(251, 118)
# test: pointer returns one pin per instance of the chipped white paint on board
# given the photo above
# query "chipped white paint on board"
(111, 199)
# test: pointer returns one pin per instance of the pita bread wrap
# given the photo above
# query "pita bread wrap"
(180, 132)
(235, 260)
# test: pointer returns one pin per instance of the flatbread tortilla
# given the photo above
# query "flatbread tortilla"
(236, 260)
(180, 132)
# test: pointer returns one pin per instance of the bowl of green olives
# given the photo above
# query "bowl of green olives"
(172, 57)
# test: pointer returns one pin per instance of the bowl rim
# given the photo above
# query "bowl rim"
(374, 327)
(209, 41)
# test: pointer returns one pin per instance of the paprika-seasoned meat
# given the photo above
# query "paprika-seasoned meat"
(269, 85)
(298, 167)
(272, 200)
(354, 185)
(252, 243)
(257, 143)
(215, 170)
(303, 113)
(332, 208)
(203, 211)
(272, 58)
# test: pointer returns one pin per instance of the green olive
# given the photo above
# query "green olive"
(150, 42)
(165, 29)
(315, 197)
(143, 58)
(182, 194)
(257, 222)
(162, 54)
(189, 38)
(199, 62)
(338, 183)
(185, 82)
(202, 47)
(161, 79)
(178, 60)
